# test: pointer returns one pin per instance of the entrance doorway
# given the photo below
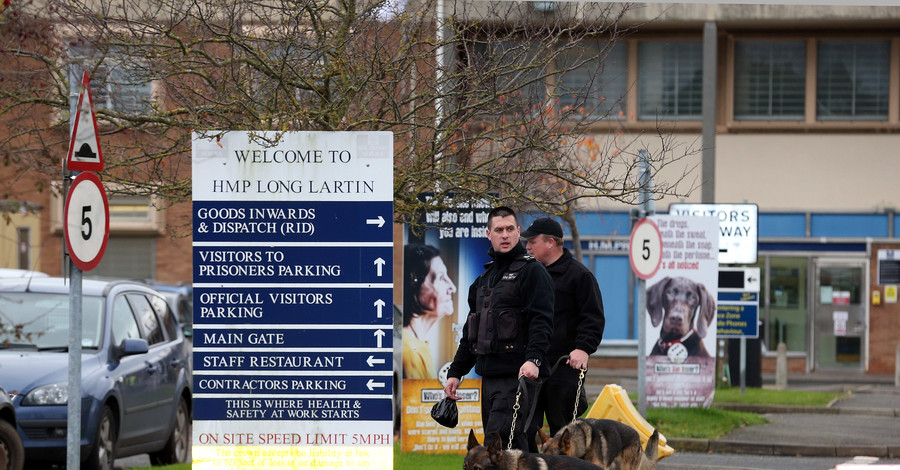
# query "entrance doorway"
(840, 322)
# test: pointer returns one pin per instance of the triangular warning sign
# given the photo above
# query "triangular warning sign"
(84, 149)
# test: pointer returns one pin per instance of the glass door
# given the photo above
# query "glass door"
(840, 328)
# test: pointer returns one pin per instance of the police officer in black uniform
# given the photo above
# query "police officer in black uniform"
(578, 327)
(507, 332)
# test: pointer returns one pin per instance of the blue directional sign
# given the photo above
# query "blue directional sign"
(292, 221)
(294, 385)
(292, 265)
(293, 293)
(737, 309)
(289, 304)
(269, 361)
(292, 336)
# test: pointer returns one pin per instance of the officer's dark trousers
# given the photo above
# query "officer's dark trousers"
(497, 401)
(557, 400)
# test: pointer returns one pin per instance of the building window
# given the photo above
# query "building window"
(130, 209)
(516, 69)
(128, 258)
(594, 81)
(133, 215)
(115, 85)
(770, 80)
(670, 80)
(852, 80)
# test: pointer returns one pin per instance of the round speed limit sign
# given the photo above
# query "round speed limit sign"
(87, 221)
(645, 248)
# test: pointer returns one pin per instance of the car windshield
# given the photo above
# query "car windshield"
(41, 320)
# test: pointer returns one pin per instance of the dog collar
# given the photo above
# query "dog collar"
(665, 346)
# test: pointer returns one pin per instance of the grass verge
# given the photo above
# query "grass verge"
(699, 423)
(762, 396)
(426, 461)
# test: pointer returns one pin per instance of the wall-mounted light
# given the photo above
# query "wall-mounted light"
(544, 7)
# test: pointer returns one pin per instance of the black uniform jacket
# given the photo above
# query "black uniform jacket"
(578, 312)
(537, 308)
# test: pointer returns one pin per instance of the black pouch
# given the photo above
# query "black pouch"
(445, 413)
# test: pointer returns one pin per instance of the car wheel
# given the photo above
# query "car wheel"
(12, 454)
(103, 453)
(176, 449)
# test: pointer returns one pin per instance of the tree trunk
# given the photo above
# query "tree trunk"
(569, 217)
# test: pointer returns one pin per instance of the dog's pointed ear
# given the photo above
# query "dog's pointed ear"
(544, 437)
(706, 313)
(495, 449)
(655, 295)
(496, 445)
(473, 441)
(565, 440)
(651, 453)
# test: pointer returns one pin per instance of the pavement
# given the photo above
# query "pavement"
(866, 423)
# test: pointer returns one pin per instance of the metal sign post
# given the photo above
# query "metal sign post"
(646, 256)
(86, 231)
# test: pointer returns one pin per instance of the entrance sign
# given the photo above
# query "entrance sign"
(293, 251)
(645, 248)
(84, 148)
(87, 221)
(738, 228)
(737, 312)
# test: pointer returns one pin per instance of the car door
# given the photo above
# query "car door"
(173, 353)
(157, 382)
(131, 375)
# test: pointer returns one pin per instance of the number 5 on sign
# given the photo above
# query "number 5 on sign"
(86, 221)
(645, 249)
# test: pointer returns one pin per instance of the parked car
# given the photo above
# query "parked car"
(136, 376)
(12, 454)
(181, 300)
(14, 272)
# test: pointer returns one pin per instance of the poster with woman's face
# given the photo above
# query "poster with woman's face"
(438, 268)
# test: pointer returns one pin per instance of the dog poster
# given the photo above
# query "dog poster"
(681, 310)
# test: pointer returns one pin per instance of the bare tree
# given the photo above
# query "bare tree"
(477, 98)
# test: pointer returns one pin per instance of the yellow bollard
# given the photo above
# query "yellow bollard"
(613, 403)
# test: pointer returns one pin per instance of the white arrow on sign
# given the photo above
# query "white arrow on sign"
(379, 265)
(372, 384)
(379, 221)
(379, 304)
(379, 334)
(371, 361)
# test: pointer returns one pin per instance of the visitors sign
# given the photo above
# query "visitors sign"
(738, 228)
(293, 276)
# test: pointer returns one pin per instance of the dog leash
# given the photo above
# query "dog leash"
(581, 375)
(523, 389)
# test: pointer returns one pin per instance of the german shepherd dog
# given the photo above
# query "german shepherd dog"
(493, 457)
(603, 442)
